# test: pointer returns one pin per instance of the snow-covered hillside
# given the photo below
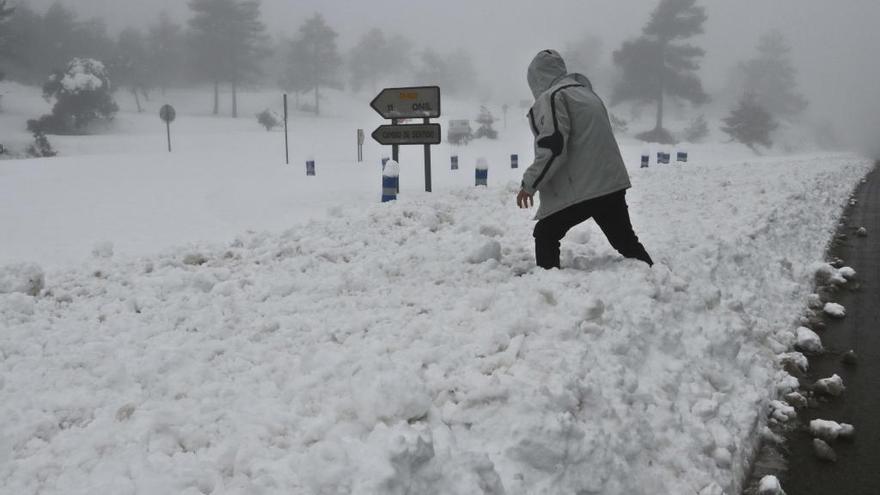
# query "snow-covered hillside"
(409, 347)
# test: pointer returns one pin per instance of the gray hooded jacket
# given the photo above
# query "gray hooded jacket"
(576, 155)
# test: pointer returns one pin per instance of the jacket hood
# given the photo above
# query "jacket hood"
(546, 68)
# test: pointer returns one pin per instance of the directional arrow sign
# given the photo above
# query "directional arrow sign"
(408, 103)
(408, 134)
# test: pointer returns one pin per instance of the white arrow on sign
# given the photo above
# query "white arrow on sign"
(408, 103)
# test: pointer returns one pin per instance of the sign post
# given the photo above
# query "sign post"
(167, 114)
(286, 148)
(409, 103)
(360, 145)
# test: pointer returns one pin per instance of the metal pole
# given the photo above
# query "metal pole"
(168, 130)
(427, 163)
(286, 148)
(395, 150)
(395, 154)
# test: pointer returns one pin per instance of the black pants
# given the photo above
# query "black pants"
(610, 213)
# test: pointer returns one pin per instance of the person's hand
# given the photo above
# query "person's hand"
(524, 199)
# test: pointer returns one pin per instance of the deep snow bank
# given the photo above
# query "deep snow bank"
(369, 353)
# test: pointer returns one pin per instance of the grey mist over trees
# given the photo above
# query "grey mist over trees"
(832, 50)
(660, 63)
(772, 78)
(228, 40)
(314, 60)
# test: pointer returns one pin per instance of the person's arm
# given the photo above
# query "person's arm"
(551, 141)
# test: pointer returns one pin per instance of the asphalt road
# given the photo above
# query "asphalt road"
(857, 470)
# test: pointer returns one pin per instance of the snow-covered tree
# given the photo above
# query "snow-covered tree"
(660, 64)
(229, 41)
(314, 61)
(750, 124)
(82, 93)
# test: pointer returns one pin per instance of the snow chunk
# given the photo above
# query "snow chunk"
(795, 359)
(846, 432)
(392, 169)
(847, 272)
(835, 310)
(103, 250)
(830, 386)
(862, 232)
(195, 259)
(26, 278)
(491, 250)
(808, 340)
(782, 412)
(769, 485)
(796, 400)
(825, 429)
(823, 272)
(824, 451)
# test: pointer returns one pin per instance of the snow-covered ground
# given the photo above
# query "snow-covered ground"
(388, 348)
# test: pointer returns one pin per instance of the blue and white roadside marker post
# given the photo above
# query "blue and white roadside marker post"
(384, 161)
(682, 157)
(663, 157)
(453, 162)
(646, 159)
(390, 181)
(310, 167)
(481, 173)
(514, 161)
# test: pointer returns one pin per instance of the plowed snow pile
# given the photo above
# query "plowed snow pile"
(387, 350)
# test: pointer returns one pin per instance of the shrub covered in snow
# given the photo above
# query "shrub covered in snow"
(268, 119)
(82, 94)
(41, 147)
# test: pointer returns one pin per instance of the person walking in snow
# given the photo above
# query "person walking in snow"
(578, 169)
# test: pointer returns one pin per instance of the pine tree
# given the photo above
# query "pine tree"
(376, 57)
(367, 60)
(6, 12)
(130, 65)
(228, 41)
(82, 94)
(772, 78)
(165, 57)
(658, 63)
(314, 61)
(697, 130)
(750, 124)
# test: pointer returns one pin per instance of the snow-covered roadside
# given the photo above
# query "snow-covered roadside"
(365, 354)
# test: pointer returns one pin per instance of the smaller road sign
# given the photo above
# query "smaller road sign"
(407, 134)
(167, 114)
(408, 103)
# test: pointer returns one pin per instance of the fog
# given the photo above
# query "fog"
(834, 44)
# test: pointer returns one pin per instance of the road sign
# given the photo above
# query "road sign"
(167, 114)
(406, 103)
(407, 134)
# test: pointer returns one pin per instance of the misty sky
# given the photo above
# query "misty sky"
(835, 43)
